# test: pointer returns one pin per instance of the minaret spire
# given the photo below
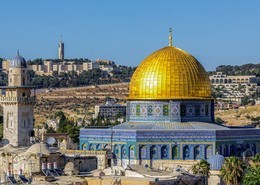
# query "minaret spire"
(170, 37)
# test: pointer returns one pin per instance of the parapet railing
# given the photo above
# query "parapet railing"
(83, 152)
(17, 99)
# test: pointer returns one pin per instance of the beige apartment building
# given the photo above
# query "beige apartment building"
(48, 67)
(224, 80)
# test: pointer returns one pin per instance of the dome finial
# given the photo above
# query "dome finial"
(18, 52)
(170, 37)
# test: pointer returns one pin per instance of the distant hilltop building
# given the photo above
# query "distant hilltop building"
(234, 87)
(61, 50)
(220, 79)
(50, 66)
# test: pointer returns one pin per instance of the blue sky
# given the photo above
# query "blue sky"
(215, 32)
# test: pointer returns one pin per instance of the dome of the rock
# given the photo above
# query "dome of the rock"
(170, 73)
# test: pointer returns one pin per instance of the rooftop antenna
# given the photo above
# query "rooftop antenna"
(170, 37)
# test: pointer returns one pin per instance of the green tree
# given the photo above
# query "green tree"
(201, 168)
(218, 120)
(252, 175)
(67, 126)
(232, 170)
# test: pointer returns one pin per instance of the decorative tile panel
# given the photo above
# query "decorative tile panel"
(202, 109)
(150, 110)
(190, 111)
(133, 110)
(175, 110)
(158, 110)
(138, 110)
(143, 110)
(165, 110)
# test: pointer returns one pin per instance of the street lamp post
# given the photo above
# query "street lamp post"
(111, 154)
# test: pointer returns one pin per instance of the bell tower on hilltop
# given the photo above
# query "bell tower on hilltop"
(18, 102)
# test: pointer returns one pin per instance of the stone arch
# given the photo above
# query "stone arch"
(164, 152)
(217, 81)
(186, 152)
(229, 81)
(175, 152)
(197, 152)
(221, 81)
(212, 81)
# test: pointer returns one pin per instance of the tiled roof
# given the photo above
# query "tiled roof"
(170, 126)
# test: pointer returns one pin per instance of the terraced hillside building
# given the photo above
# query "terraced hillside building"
(170, 117)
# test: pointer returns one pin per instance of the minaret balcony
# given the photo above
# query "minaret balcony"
(30, 99)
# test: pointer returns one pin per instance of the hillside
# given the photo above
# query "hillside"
(80, 102)
(76, 102)
(239, 117)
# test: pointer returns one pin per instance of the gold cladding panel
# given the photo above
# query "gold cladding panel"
(170, 73)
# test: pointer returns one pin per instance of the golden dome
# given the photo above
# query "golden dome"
(170, 73)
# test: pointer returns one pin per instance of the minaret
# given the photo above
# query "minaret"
(61, 50)
(18, 102)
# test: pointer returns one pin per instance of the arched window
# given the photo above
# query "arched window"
(197, 152)
(175, 152)
(23, 80)
(84, 146)
(225, 81)
(123, 152)
(131, 151)
(186, 152)
(208, 151)
(153, 152)
(116, 149)
(164, 152)
(91, 147)
(98, 147)
(225, 150)
(142, 152)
